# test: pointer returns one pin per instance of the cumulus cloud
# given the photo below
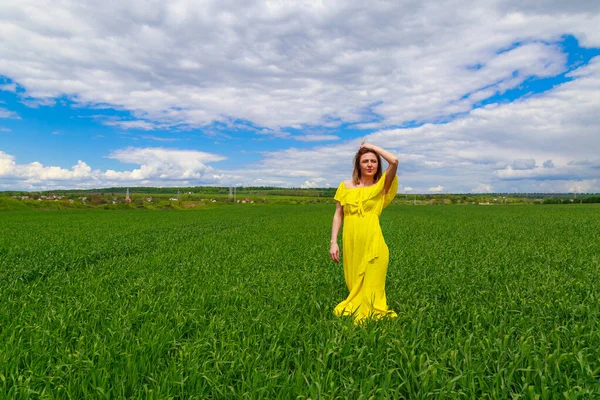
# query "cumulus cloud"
(594, 163)
(36, 172)
(157, 166)
(436, 189)
(482, 188)
(315, 138)
(187, 158)
(583, 186)
(542, 173)
(483, 146)
(281, 64)
(275, 133)
(136, 124)
(313, 183)
(8, 87)
(270, 66)
(7, 163)
(4, 113)
(160, 163)
(160, 139)
(523, 164)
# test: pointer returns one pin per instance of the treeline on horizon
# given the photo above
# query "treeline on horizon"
(286, 195)
(278, 191)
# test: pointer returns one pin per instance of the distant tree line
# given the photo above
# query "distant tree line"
(106, 195)
(581, 200)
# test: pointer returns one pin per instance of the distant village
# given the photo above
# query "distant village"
(115, 199)
(163, 198)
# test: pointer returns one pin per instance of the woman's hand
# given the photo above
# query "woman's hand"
(334, 252)
(366, 145)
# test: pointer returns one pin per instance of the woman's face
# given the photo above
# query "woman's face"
(368, 165)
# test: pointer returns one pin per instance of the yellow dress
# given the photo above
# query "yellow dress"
(365, 254)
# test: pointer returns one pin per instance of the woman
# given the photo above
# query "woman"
(359, 203)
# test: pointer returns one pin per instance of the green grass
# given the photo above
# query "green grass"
(493, 302)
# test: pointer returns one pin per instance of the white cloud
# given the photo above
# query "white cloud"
(7, 163)
(9, 87)
(159, 139)
(313, 183)
(157, 166)
(282, 64)
(35, 172)
(162, 164)
(436, 189)
(482, 188)
(315, 138)
(185, 158)
(543, 173)
(4, 113)
(276, 133)
(484, 146)
(523, 164)
(136, 124)
(278, 65)
(584, 186)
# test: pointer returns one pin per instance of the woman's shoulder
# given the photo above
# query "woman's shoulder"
(342, 191)
(348, 184)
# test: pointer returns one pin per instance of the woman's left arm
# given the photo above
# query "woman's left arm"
(392, 160)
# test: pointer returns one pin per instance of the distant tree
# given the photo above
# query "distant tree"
(96, 200)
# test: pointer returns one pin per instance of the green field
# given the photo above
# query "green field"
(236, 302)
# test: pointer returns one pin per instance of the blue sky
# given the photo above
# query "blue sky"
(501, 97)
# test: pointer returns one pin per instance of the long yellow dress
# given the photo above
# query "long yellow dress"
(365, 254)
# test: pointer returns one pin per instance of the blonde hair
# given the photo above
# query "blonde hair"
(356, 173)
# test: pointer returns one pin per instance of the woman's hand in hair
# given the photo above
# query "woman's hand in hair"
(366, 145)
